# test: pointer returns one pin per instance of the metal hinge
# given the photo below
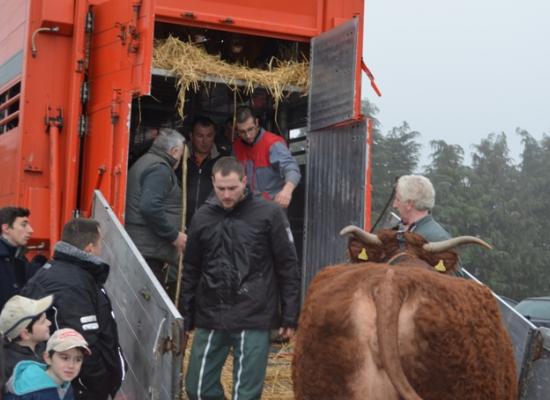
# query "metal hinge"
(51, 119)
(82, 125)
(115, 105)
(133, 46)
(84, 93)
(89, 22)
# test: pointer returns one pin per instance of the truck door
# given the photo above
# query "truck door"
(120, 68)
(337, 153)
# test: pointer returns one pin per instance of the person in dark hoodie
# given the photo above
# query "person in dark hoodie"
(154, 203)
(75, 277)
(26, 328)
(14, 267)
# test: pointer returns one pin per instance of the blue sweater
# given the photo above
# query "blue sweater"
(30, 381)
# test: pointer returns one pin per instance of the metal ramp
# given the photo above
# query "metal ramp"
(149, 325)
(531, 350)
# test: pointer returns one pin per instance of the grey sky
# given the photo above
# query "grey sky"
(459, 70)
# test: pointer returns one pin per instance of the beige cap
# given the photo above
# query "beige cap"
(18, 313)
(66, 339)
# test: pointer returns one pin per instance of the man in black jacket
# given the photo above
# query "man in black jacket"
(204, 155)
(154, 203)
(14, 268)
(75, 277)
(241, 279)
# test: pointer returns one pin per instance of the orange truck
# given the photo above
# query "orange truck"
(77, 82)
(74, 75)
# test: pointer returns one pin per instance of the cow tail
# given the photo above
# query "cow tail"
(388, 302)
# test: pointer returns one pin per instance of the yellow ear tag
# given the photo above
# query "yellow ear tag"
(440, 267)
(363, 255)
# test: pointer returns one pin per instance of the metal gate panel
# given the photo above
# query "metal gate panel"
(537, 386)
(333, 63)
(149, 324)
(335, 194)
(531, 355)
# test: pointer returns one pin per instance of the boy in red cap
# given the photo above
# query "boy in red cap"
(64, 354)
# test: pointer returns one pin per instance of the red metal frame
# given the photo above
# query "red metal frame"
(42, 158)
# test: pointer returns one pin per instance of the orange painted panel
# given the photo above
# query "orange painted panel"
(36, 200)
(61, 15)
(119, 69)
(9, 142)
(275, 18)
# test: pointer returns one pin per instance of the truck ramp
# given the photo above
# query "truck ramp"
(149, 325)
(531, 350)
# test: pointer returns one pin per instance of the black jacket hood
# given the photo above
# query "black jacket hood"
(94, 265)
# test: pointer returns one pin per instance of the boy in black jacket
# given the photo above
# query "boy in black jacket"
(75, 277)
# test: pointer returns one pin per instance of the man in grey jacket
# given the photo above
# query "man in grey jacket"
(414, 200)
(154, 203)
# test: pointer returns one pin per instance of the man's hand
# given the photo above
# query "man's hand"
(286, 333)
(285, 195)
(180, 242)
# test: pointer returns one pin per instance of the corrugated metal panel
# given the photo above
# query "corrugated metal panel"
(147, 319)
(335, 194)
(538, 381)
(332, 76)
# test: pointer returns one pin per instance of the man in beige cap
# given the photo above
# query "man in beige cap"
(24, 325)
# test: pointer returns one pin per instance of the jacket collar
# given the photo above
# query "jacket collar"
(256, 139)
(422, 221)
(96, 266)
(213, 152)
(164, 155)
(214, 201)
(6, 248)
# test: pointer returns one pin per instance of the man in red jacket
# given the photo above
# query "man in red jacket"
(268, 163)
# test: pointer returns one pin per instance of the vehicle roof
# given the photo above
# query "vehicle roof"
(544, 298)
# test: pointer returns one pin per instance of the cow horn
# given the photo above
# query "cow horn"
(368, 238)
(435, 247)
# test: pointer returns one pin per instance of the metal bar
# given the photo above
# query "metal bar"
(10, 101)
(216, 80)
(9, 118)
(54, 184)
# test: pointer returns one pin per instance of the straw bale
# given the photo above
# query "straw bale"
(278, 379)
(192, 65)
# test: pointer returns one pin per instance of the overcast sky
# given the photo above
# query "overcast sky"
(459, 70)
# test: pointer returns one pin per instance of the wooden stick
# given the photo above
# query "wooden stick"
(180, 262)
(183, 215)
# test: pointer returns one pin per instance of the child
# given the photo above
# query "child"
(35, 381)
(25, 328)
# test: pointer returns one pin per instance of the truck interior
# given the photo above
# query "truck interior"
(216, 100)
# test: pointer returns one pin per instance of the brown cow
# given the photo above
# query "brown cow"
(381, 331)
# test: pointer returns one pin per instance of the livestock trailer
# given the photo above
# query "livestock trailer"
(77, 82)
